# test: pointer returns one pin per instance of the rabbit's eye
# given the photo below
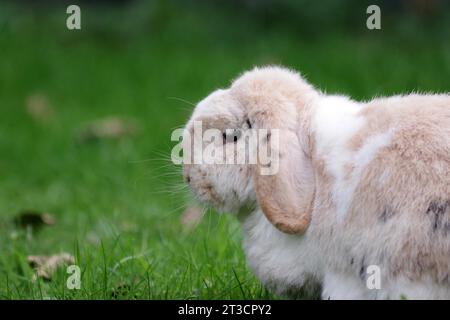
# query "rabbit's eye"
(231, 135)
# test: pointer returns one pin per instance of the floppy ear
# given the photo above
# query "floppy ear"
(286, 194)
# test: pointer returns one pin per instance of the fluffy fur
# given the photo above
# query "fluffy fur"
(369, 183)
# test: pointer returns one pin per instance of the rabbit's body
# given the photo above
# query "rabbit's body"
(384, 195)
(380, 202)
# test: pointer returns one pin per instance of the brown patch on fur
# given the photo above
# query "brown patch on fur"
(378, 119)
(218, 122)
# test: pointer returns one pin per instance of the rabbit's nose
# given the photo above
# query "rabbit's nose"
(186, 173)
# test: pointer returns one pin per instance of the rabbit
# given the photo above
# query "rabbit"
(360, 205)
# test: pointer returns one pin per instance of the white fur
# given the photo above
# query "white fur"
(403, 288)
(336, 120)
(343, 287)
(266, 247)
(346, 287)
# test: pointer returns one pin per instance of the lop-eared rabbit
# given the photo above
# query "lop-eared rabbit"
(360, 205)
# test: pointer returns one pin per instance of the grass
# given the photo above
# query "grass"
(117, 204)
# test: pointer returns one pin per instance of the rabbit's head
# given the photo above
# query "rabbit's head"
(221, 121)
(247, 145)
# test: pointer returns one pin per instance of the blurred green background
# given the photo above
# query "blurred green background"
(86, 117)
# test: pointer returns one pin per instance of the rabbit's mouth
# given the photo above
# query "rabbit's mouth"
(229, 203)
(205, 192)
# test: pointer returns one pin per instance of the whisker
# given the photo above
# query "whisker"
(171, 190)
(181, 126)
(183, 206)
(163, 175)
(160, 156)
(182, 100)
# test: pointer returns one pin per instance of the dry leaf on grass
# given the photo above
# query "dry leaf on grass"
(108, 128)
(39, 108)
(191, 217)
(45, 266)
(34, 219)
(121, 291)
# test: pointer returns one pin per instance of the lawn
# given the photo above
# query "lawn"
(117, 203)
